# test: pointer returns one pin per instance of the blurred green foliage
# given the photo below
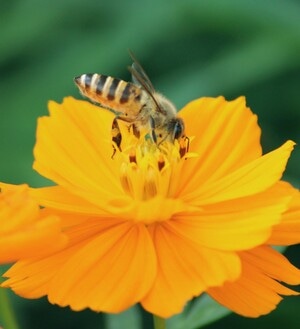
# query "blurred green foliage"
(189, 48)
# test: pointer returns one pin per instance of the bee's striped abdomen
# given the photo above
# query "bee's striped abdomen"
(116, 94)
(125, 94)
(113, 88)
(99, 82)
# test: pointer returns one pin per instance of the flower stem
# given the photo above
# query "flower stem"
(7, 316)
(159, 323)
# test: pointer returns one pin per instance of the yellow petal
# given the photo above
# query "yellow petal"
(287, 232)
(272, 263)
(252, 178)
(104, 269)
(236, 224)
(24, 231)
(185, 270)
(257, 292)
(226, 137)
(33, 241)
(74, 150)
(61, 199)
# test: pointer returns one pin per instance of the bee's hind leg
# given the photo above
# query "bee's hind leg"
(116, 136)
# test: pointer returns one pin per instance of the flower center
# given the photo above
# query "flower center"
(147, 169)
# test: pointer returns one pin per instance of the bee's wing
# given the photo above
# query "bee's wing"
(140, 78)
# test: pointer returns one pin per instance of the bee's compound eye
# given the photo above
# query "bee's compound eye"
(178, 128)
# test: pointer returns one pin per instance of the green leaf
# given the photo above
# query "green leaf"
(128, 319)
(199, 313)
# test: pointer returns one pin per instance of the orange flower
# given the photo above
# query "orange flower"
(24, 232)
(150, 226)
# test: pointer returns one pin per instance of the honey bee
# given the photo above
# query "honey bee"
(137, 103)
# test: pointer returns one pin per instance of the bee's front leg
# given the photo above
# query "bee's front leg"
(153, 133)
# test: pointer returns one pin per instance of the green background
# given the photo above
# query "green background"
(189, 49)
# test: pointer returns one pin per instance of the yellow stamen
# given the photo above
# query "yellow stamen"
(146, 169)
(150, 184)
